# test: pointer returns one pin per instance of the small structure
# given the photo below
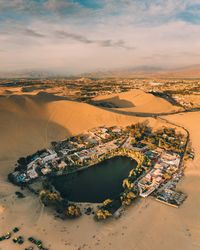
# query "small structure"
(171, 197)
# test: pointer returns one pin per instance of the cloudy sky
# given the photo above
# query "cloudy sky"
(74, 36)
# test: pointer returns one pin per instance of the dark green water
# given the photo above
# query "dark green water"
(97, 183)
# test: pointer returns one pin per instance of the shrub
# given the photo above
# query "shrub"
(72, 211)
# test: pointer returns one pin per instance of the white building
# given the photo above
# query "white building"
(50, 157)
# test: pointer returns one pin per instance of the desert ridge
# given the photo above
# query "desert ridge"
(137, 101)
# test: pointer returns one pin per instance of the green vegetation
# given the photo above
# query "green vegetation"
(167, 139)
(189, 153)
(49, 198)
(72, 211)
(102, 214)
(127, 197)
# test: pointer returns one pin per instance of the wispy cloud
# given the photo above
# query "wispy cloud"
(86, 40)
(33, 33)
(119, 43)
(77, 37)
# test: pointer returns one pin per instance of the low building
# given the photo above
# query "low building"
(52, 155)
(32, 174)
(171, 197)
(46, 169)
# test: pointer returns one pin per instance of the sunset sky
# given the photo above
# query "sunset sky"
(86, 35)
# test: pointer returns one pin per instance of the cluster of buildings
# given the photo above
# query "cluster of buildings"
(89, 148)
(166, 165)
(73, 152)
(189, 100)
(161, 181)
(171, 197)
(40, 164)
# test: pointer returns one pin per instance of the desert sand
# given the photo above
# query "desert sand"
(28, 123)
(138, 101)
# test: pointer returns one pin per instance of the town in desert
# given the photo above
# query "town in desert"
(94, 156)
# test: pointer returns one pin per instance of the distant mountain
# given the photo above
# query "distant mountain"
(30, 74)
(131, 72)
(184, 72)
(149, 72)
(27, 74)
(125, 72)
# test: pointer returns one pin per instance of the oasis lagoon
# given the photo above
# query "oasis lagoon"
(96, 183)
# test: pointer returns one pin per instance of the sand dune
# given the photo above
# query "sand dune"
(138, 101)
(24, 126)
(28, 123)
(32, 122)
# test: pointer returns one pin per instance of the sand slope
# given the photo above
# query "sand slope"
(138, 101)
(23, 125)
